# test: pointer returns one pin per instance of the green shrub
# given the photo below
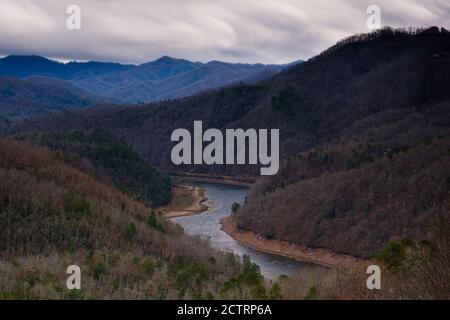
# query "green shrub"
(76, 204)
(393, 253)
(188, 276)
(130, 230)
(275, 292)
(235, 207)
(258, 292)
(252, 272)
(364, 154)
(98, 270)
(153, 222)
(31, 277)
(95, 175)
(312, 294)
(250, 279)
(75, 294)
(285, 100)
(149, 266)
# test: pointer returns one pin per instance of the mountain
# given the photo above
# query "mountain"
(353, 88)
(353, 198)
(37, 96)
(25, 66)
(372, 111)
(164, 78)
(168, 78)
(53, 216)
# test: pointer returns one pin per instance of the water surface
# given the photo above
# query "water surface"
(207, 225)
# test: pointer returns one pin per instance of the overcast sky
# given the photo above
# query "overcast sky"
(136, 31)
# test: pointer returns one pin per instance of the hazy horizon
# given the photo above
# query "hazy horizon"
(65, 60)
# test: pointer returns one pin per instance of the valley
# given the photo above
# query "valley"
(362, 175)
(343, 120)
(207, 225)
(54, 215)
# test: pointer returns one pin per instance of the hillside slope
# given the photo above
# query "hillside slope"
(356, 209)
(53, 216)
(26, 66)
(38, 96)
(108, 159)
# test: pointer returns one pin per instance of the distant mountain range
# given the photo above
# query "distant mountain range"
(38, 95)
(164, 78)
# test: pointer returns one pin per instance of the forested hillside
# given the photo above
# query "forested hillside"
(108, 159)
(353, 199)
(53, 216)
(38, 96)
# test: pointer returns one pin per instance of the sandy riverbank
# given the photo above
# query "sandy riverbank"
(282, 248)
(186, 200)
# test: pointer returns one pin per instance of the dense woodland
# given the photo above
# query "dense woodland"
(38, 96)
(108, 159)
(52, 216)
(387, 176)
(356, 86)
(356, 209)
(359, 109)
(365, 146)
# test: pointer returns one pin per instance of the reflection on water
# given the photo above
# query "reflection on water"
(207, 225)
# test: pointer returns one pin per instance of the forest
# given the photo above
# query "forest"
(108, 159)
(53, 216)
(364, 170)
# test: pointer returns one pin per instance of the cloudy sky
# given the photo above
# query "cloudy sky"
(136, 31)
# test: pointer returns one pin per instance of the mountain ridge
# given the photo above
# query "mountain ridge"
(163, 78)
(40, 95)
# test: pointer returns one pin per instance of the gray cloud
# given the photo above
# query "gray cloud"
(136, 31)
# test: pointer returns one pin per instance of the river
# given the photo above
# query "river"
(207, 225)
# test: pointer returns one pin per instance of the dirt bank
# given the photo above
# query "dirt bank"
(186, 200)
(191, 177)
(282, 248)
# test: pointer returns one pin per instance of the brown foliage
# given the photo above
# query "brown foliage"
(355, 210)
(52, 215)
